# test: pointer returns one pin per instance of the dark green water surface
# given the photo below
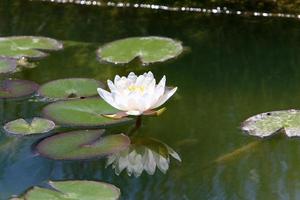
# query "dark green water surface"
(233, 68)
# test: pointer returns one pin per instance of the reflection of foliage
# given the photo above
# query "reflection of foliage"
(143, 154)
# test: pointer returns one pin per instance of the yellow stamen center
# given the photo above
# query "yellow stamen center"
(136, 88)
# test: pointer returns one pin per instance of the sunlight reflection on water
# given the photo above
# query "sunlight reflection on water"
(213, 11)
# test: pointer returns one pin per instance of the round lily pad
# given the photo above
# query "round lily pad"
(29, 127)
(17, 88)
(27, 46)
(147, 49)
(266, 124)
(7, 65)
(70, 88)
(82, 144)
(75, 190)
(81, 112)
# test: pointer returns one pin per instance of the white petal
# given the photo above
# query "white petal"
(135, 101)
(151, 85)
(140, 80)
(133, 112)
(157, 95)
(111, 86)
(106, 96)
(131, 77)
(117, 78)
(173, 153)
(122, 162)
(164, 98)
(150, 163)
(163, 164)
(110, 160)
(159, 89)
(150, 75)
(162, 82)
(120, 101)
(147, 100)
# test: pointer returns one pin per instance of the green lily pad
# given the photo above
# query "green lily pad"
(25, 127)
(7, 65)
(74, 190)
(81, 112)
(70, 88)
(82, 144)
(266, 124)
(17, 88)
(147, 49)
(27, 46)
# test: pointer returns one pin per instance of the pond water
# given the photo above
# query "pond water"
(233, 67)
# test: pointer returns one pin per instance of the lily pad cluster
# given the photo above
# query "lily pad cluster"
(14, 52)
(147, 49)
(74, 104)
(266, 124)
(144, 154)
(73, 189)
(17, 49)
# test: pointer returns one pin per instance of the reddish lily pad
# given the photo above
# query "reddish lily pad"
(17, 88)
(82, 144)
(7, 65)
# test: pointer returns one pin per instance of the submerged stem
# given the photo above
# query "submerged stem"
(138, 124)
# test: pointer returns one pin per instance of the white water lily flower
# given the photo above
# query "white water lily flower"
(136, 95)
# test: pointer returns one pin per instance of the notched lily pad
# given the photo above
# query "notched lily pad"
(147, 49)
(7, 65)
(144, 154)
(70, 88)
(82, 144)
(266, 124)
(75, 190)
(29, 127)
(27, 46)
(17, 88)
(81, 112)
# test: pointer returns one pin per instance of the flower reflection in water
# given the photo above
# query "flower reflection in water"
(143, 154)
